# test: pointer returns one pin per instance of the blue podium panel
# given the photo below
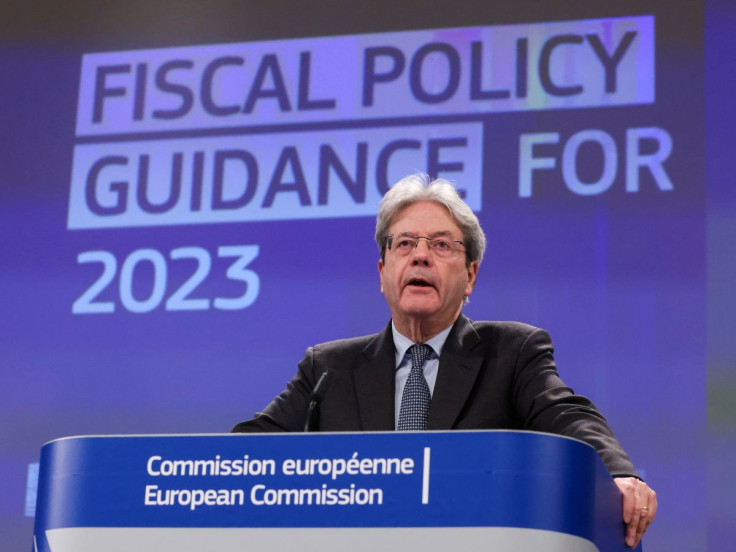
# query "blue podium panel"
(489, 490)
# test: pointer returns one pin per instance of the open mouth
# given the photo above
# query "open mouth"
(418, 282)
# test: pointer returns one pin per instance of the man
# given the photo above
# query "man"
(433, 368)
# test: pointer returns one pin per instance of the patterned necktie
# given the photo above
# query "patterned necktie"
(416, 397)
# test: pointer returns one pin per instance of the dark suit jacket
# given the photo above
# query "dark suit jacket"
(492, 375)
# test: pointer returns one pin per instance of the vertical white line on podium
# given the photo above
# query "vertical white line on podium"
(425, 477)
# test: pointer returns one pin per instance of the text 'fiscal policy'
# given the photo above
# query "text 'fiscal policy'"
(570, 64)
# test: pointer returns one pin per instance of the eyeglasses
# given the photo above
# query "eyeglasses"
(441, 246)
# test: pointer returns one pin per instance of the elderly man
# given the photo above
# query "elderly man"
(433, 368)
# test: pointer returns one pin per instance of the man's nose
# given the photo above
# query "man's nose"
(421, 252)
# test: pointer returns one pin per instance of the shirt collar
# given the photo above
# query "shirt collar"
(402, 343)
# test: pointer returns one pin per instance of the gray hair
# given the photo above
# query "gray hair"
(420, 187)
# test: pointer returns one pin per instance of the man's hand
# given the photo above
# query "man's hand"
(640, 507)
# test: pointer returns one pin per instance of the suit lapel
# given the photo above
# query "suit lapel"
(375, 383)
(459, 367)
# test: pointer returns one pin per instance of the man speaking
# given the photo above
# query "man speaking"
(431, 367)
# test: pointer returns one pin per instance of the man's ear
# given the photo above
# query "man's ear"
(472, 276)
(380, 273)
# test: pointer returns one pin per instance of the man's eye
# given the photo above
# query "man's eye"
(441, 244)
(405, 244)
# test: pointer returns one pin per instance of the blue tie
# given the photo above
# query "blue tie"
(416, 397)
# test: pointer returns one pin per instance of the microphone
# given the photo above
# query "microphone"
(315, 399)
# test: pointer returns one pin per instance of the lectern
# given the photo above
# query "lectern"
(373, 492)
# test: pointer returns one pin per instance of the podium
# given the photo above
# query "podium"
(378, 492)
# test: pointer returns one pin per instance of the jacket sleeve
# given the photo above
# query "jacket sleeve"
(546, 404)
(288, 411)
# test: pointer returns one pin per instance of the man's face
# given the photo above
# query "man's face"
(422, 286)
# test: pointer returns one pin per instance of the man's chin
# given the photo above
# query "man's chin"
(419, 307)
